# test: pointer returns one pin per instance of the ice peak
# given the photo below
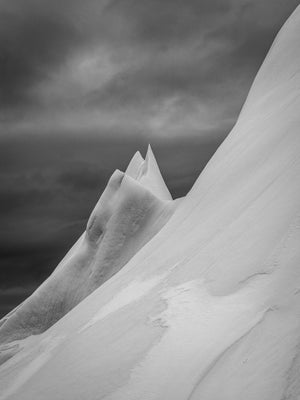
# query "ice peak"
(150, 176)
(135, 165)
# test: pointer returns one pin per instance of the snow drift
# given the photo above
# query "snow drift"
(209, 308)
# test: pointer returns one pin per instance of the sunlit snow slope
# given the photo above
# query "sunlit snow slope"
(209, 309)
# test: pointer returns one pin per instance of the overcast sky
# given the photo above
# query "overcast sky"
(84, 84)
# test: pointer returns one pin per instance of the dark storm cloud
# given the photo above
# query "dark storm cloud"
(190, 48)
(33, 39)
(165, 23)
(199, 53)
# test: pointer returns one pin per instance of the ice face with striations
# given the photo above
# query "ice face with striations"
(133, 207)
(209, 308)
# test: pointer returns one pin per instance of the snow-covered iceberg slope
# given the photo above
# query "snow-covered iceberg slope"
(132, 209)
(209, 308)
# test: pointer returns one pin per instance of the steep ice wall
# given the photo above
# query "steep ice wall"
(209, 309)
(133, 207)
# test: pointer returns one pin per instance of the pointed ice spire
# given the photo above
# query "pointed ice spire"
(150, 176)
(135, 165)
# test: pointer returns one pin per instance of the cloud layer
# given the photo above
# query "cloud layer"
(168, 68)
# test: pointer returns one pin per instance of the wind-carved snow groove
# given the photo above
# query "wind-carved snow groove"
(253, 276)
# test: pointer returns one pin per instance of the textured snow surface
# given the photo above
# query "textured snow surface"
(209, 308)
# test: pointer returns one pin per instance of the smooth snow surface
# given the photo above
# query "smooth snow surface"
(209, 308)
